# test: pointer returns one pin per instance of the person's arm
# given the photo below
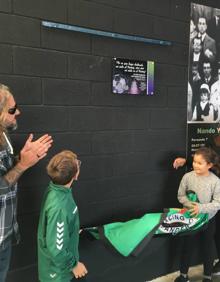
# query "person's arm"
(189, 102)
(32, 152)
(57, 241)
(210, 116)
(211, 113)
(210, 52)
(194, 116)
(179, 162)
(79, 270)
(214, 205)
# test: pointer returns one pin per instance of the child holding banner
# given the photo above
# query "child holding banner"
(214, 143)
(207, 187)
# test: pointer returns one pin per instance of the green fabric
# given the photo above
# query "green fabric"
(58, 235)
(126, 236)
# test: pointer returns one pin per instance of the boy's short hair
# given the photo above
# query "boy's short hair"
(63, 167)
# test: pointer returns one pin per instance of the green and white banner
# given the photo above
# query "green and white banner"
(131, 237)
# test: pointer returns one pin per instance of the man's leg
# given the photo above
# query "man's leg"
(5, 255)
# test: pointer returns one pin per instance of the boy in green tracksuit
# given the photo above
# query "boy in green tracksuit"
(58, 230)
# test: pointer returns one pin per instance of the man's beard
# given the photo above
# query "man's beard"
(12, 126)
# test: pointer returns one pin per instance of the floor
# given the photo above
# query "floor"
(195, 275)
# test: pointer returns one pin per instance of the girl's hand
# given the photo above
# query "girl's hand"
(194, 210)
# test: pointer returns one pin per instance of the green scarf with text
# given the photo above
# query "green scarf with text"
(131, 237)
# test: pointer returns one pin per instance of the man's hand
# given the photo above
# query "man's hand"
(179, 162)
(33, 151)
(79, 270)
(208, 53)
(40, 146)
(194, 209)
(197, 77)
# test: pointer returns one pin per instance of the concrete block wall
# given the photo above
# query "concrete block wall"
(62, 83)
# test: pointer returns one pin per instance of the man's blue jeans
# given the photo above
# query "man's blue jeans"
(5, 255)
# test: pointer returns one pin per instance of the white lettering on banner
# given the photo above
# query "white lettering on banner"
(177, 219)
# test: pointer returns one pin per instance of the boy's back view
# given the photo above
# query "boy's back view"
(58, 230)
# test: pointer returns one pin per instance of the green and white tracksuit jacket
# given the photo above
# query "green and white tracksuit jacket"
(58, 235)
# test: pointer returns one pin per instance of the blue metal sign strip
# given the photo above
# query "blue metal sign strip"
(105, 33)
